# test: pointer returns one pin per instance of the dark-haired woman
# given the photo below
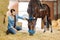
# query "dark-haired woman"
(11, 28)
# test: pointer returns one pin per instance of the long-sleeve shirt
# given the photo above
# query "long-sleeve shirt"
(11, 21)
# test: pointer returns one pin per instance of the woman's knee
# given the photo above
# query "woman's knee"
(12, 31)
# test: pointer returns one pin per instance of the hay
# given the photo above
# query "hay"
(54, 24)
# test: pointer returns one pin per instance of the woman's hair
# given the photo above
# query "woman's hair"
(12, 10)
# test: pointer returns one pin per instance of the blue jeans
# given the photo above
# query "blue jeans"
(12, 31)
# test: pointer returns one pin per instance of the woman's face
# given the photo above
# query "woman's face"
(14, 13)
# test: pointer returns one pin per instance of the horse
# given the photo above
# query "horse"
(38, 10)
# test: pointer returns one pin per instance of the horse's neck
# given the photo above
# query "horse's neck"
(40, 5)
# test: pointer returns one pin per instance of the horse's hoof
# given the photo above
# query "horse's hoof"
(44, 31)
(51, 31)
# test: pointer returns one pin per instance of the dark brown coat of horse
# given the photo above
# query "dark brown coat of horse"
(38, 10)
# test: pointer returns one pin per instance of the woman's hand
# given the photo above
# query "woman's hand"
(25, 19)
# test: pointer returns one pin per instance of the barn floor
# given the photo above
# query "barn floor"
(39, 35)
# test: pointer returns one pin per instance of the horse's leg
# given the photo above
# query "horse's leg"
(50, 24)
(44, 25)
(51, 28)
(47, 23)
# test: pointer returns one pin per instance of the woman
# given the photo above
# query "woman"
(11, 28)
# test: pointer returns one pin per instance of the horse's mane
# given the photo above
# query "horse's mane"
(32, 2)
(37, 2)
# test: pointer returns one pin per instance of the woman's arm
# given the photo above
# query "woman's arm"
(22, 18)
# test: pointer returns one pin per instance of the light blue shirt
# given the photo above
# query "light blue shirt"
(11, 21)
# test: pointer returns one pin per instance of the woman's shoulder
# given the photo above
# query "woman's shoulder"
(9, 17)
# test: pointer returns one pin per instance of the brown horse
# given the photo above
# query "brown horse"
(38, 10)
